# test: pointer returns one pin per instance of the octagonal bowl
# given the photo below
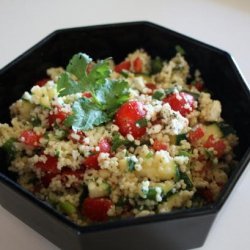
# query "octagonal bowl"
(176, 230)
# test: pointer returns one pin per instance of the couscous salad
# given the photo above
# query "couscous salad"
(100, 141)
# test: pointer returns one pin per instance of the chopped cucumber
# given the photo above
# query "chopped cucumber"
(212, 129)
(96, 190)
(67, 208)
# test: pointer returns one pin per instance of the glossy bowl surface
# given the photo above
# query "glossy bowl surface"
(177, 230)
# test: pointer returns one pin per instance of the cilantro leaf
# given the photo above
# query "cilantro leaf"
(67, 86)
(117, 142)
(142, 123)
(107, 95)
(131, 164)
(86, 115)
(78, 66)
(111, 94)
(99, 72)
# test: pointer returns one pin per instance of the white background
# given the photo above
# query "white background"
(222, 23)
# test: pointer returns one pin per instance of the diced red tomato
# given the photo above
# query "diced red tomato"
(218, 145)
(76, 136)
(137, 65)
(92, 162)
(57, 116)
(42, 82)
(87, 94)
(49, 166)
(96, 209)
(151, 86)
(127, 116)
(47, 178)
(30, 138)
(104, 146)
(157, 146)
(125, 65)
(196, 134)
(182, 102)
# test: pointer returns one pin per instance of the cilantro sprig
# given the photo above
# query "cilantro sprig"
(107, 95)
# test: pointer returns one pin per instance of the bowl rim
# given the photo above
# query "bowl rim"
(125, 222)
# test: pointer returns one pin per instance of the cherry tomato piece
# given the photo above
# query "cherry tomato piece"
(196, 134)
(30, 138)
(218, 145)
(125, 65)
(87, 94)
(49, 166)
(96, 209)
(157, 146)
(137, 65)
(57, 116)
(127, 116)
(42, 82)
(182, 102)
(76, 136)
(47, 178)
(92, 162)
(151, 86)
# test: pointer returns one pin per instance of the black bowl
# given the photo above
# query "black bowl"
(176, 230)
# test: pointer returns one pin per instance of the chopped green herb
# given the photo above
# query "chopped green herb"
(131, 164)
(156, 65)
(35, 121)
(142, 123)
(149, 155)
(169, 91)
(117, 142)
(180, 50)
(158, 95)
(180, 138)
(152, 193)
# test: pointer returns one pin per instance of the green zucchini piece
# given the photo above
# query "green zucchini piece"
(9, 148)
(187, 180)
(226, 129)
